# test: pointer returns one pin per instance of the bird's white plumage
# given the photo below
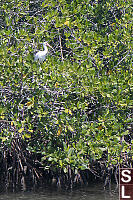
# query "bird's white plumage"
(41, 55)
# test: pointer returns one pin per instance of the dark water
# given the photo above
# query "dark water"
(94, 192)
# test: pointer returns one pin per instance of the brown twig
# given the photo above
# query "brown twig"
(60, 46)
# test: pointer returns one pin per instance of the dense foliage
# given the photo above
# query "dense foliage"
(76, 107)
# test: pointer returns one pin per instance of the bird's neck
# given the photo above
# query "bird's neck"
(45, 47)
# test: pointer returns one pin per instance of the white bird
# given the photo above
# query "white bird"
(41, 55)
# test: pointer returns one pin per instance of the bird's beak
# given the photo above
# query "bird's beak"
(49, 46)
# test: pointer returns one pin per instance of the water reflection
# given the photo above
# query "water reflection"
(94, 192)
